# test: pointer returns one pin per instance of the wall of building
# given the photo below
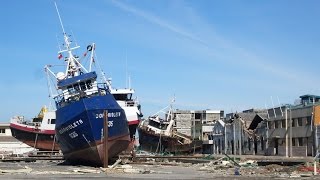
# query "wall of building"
(190, 122)
(5, 130)
(317, 115)
(261, 138)
(290, 132)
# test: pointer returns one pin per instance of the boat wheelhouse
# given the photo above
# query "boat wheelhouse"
(130, 106)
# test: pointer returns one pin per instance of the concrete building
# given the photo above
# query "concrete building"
(216, 143)
(287, 130)
(236, 134)
(191, 123)
(198, 125)
(261, 136)
(5, 130)
(293, 129)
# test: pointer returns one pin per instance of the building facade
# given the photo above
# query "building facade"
(236, 135)
(198, 125)
(292, 129)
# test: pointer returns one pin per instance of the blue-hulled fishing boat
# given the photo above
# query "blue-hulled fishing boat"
(81, 101)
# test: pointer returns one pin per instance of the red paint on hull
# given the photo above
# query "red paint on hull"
(43, 145)
(133, 122)
(94, 154)
(32, 129)
(35, 139)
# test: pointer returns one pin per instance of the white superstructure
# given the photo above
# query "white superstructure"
(129, 104)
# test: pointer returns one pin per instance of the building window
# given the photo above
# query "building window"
(270, 125)
(283, 123)
(293, 142)
(276, 124)
(2, 131)
(308, 122)
(292, 123)
(204, 116)
(223, 145)
(300, 141)
(299, 121)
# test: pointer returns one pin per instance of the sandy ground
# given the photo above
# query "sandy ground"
(55, 170)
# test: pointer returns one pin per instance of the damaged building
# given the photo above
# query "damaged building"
(236, 135)
(287, 130)
(293, 129)
(198, 125)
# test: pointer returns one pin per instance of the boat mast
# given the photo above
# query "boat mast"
(73, 65)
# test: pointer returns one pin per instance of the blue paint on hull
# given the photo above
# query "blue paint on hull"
(79, 125)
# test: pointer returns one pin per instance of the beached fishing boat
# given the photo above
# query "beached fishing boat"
(131, 106)
(44, 125)
(37, 132)
(81, 101)
(157, 134)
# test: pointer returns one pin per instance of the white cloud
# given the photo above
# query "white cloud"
(214, 42)
(158, 21)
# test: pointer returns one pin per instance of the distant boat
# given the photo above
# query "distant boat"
(157, 134)
(81, 102)
(132, 109)
(131, 106)
(37, 132)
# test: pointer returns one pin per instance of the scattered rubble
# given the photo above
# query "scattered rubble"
(167, 166)
(26, 169)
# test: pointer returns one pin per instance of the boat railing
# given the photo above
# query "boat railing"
(19, 119)
(66, 98)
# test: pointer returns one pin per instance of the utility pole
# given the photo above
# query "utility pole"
(240, 136)
(267, 134)
(194, 135)
(290, 135)
(225, 138)
(234, 138)
(287, 140)
(313, 123)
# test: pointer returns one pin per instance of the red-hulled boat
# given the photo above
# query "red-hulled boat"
(38, 132)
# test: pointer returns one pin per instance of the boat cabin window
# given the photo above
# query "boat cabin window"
(158, 125)
(121, 97)
(71, 90)
(76, 87)
(129, 96)
(2, 131)
(89, 84)
(36, 119)
(83, 86)
(53, 121)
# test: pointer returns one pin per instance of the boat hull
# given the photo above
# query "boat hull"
(96, 151)
(42, 140)
(132, 114)
(150, 142)
(79, 129)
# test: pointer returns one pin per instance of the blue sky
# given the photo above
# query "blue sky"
(228, 55)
